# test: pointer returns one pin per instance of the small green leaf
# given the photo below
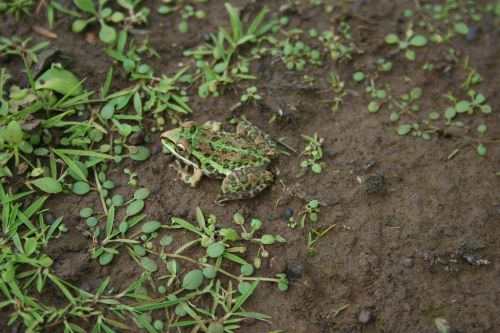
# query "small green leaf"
(267, 239)
(80, 188)
(373, 107)
(142, 154)
(13, 133)
(166, 240)
(78, 25)
(391, 39)
(85, 5)
(86, 212)
(418, 41)
(463, 106)
(215, 250)
(107, 34)
(462, 28)
(481, 150)
(135, 207)
(48, 184)
(209, 272)
(142, 193)
(150, 227)
(247, 269)
(105, 258)
(149, 264)
(404, 129)
(192, 280)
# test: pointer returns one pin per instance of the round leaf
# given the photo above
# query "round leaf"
(192, 280)
(209, 272)
(215, 250)
(391, 39)
(418, 41)
(107, 34)
(166, 240)
(404, 129)
(142, 154)
(86, 212)
(149, 264)
(141, 193)
(135, 207)
(150, 227)
(80, 188)
(105, 258)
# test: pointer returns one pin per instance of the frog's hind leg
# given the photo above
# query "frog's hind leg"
(244, 183)
(266, 143)
(261, 139)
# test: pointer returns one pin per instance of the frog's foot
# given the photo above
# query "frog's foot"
(191, 179)
(244, 184)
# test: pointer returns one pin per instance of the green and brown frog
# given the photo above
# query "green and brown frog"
(241, 159)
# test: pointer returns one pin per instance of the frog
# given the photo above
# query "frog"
(241, 159)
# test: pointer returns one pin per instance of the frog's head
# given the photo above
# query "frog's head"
(178, 140)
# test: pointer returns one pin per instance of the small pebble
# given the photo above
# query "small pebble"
(85, 286)
(331, 153)
(294, 270)
(181, 213)
(287, 213)
(48, 218)
(473, 33)
(408, 263)
(364, 316)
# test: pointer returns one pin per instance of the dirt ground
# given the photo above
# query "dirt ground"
(401, 254)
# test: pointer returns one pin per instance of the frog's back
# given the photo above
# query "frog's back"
(220, 153)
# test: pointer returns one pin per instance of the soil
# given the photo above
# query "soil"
(411, 224)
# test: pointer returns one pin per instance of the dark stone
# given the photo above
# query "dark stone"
(365, 316)
(85, 286)
(294, 270)
(48, 218)
(288, 213)
(330, 153)
(473, 33)
(181, 213)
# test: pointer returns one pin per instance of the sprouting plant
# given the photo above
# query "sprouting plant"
(251, 94)
(313, 153)
(313, 235)
(338, 86)
(219, 62)
(106, 16)
(310, 211)
(410, 40)
(17, 7)
(187, 10)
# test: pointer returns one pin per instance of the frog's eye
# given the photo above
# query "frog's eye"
(181, 147)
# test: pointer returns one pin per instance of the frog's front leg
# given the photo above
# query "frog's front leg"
(244, 183)
(192, 179)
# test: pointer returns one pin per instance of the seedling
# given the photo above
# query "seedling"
(313, 153)
(410, 40)
(106, 16)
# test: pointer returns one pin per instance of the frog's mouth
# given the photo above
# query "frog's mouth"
(174, 150)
